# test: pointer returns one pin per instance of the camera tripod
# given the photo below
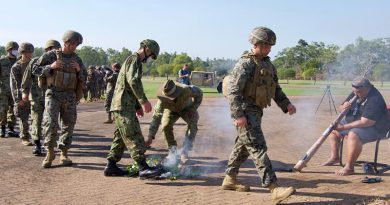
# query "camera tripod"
(328, 93)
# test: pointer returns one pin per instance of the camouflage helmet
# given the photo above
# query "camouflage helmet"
(262, 35)
(152, 45)
(26, 47)
(52, 43)
(73, 36)
(11, 45)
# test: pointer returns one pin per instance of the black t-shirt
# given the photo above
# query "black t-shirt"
(373, 108)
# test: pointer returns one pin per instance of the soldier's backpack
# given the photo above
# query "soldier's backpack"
(226, 82)
(388, 114)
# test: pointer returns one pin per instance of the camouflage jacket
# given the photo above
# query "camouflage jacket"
(43, 65)
(242, 72)
(5, 68)
(188, 101)
(29, 84)
(16, 77)
(91, 77)
(129, 91)
(111, 79)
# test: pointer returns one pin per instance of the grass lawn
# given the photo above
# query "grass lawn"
(292, 88)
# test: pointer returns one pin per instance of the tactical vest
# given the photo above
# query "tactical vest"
(64, 78)
(6, 65)
(260, 87)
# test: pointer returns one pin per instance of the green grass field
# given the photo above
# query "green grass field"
(292, 88)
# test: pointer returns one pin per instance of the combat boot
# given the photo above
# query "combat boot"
(109, 119)
(37, 148)
(11, 131)
(112, 169)
(230, 183)
(26, 142)
(49, 157)
(146, 172)
(279, 194)
(2, 131)
(64, 159)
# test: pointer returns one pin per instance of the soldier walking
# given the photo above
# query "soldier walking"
(21, 108)
(250, 88)
(176, 100)
(7, 116)
(32, 90)
(126, 104)
(65, 81)
(110, 79)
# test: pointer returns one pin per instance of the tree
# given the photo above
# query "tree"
(381, 72)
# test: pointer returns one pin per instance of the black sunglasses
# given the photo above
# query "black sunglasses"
(357, 86)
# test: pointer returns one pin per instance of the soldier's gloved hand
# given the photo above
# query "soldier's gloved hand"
(147, 107)
(291, 109)
(57, 64)
(139, 113)
(149, 141)
(240, 122)
(75, 65)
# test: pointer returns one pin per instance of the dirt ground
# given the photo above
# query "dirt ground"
(23, 181)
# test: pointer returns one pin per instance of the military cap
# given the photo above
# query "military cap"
(262, 35)
(52, 43)
(152, 45)
(73, 36)
(361, 82)
(26, 47)
(11, 45)
(170, 90)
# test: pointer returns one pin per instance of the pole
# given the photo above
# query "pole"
(314, 148)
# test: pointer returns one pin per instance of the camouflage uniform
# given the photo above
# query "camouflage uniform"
(91, 83)
(128, 92)
(110, 79)
(59, 102)
(6, 101)
(251, 74)
(36, 95)
(21, 111)
(184, 106)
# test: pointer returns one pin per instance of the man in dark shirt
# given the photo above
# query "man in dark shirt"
(366, 121)
(184, 75)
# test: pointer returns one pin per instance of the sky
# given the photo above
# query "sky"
(200, 28)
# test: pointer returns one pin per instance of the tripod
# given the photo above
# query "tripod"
(330, 98)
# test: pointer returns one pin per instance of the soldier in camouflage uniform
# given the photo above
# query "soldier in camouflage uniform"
(65, 81)
(33, 91)
(176, 100)
(126, 106)
(91, 83)
(22, 108)
(110, 80)
(249, 89)
(6, 102)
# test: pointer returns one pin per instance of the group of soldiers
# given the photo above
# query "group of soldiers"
(54, 83)
(96, 83)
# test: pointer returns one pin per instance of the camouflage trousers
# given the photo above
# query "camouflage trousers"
(23, 113)
(109, 96)
(59, 104)
(168, 120)
(7, 115)
(37, 108)
(127, 134)
(250, 142)
(91, 93)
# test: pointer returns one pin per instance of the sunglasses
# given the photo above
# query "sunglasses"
(357, 86)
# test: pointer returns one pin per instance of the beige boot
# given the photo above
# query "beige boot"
(279, 194)
(230, 183)
(26, 142)
(49, 157)
(64, 159)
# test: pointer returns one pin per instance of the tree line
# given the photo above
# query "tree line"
(303, 61)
